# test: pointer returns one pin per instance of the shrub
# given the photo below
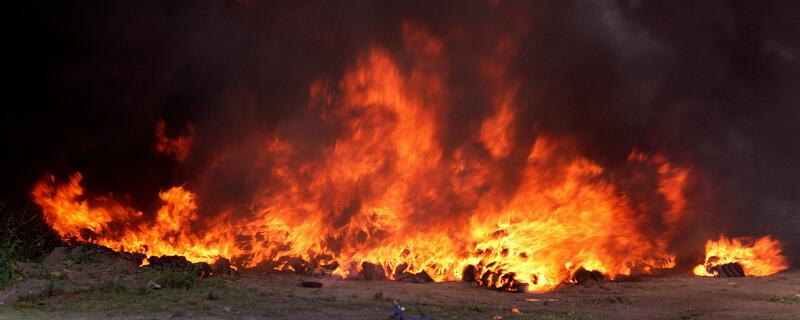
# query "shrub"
(9, 254)
(176, 279)
(24, 226)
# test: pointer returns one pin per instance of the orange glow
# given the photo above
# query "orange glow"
(106, 222)
(759, 257)
(178, 147)
(68, 215)
(386, 191)
(496, 132)
(416, 38)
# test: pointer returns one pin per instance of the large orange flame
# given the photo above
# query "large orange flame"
(111, 224)
(759, 257)
(387, 192)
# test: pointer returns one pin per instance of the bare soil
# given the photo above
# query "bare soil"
(76, 284)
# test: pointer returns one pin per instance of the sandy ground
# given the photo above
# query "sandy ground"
(79, 286)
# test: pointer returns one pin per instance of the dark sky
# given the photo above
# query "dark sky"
(712, 84)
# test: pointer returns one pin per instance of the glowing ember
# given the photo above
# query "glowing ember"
(387, 192)
(760, 257)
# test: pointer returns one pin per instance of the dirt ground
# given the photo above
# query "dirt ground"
(77, 283)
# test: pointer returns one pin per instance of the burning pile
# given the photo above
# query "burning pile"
(524, 245)
(508, 208)
(738, 257)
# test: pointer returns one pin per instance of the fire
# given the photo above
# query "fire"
(759, 257)
(109, 223)
(177, 147)
(70, 216)
(387, 191)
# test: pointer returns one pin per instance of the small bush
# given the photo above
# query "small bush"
(9, 254)
(23, 236)
(24, 225)
(176, 279)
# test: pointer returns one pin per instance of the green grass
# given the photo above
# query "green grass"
(24, 236)
(113, 298)
(24, 225)
(176, 279)
(225, 298)
(54, 288)
(790, 299)
(112, 287)
(10, 253)
(83, 257)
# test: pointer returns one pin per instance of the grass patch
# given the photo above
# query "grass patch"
(22, 223)
(53, 289)
(23, 236)
(790, 299)
(225, 298)
(176, 279)
(9, 255)
(112, 298)
(83, 257)
(111, 287)
(484, 311)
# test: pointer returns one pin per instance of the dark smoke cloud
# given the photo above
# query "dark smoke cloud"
(713, 85)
